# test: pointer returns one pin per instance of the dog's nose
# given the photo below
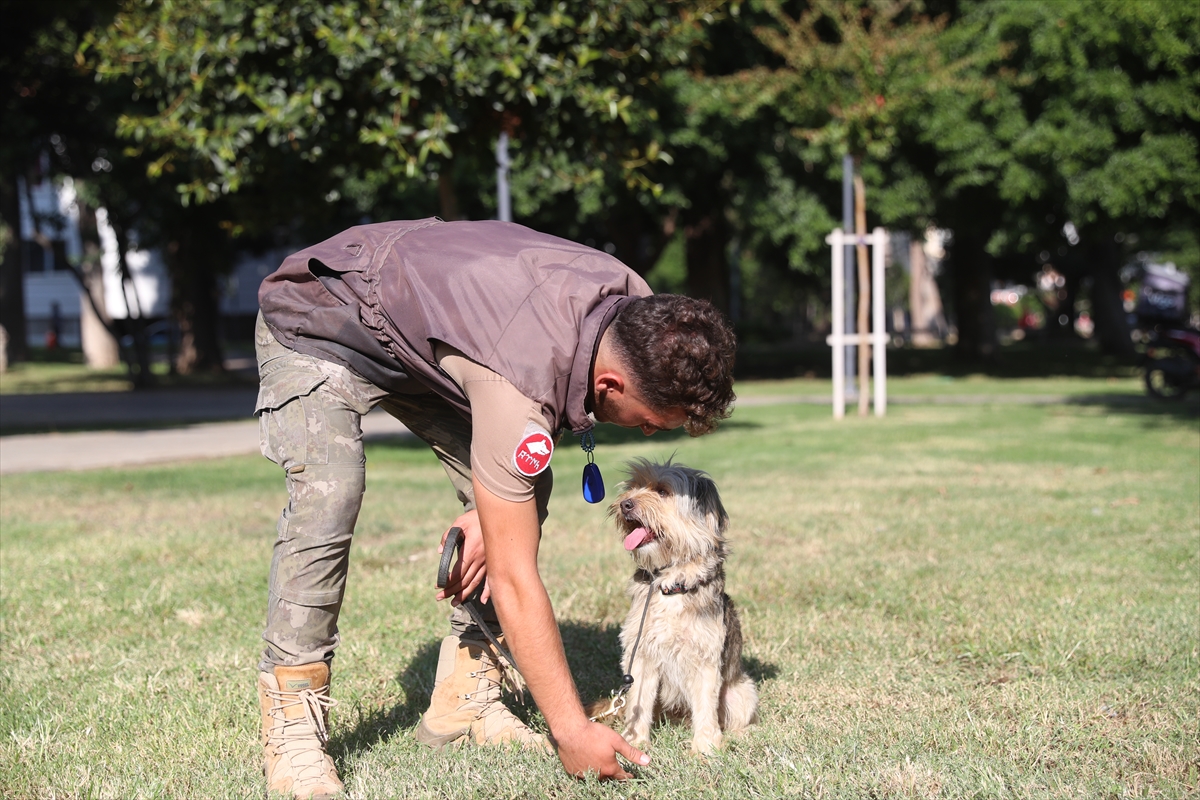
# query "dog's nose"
(627, 506)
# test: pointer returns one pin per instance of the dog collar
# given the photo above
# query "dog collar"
(645, 576)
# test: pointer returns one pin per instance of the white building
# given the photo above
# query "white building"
(51, 242)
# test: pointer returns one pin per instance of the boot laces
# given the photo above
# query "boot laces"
(497, 677)
(299, 733)
(496, 718)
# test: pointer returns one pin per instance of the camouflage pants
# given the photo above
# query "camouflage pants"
(310, 413)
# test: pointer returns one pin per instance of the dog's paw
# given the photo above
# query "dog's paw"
(640, 741)
(705, 745)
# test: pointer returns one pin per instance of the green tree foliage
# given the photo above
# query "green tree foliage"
(264, 116)
(851, 72)
(1093, 121)
(400, 88)
(848, 74)
(57, 111)
(55, 123)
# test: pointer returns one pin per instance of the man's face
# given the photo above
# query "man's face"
(630, 411)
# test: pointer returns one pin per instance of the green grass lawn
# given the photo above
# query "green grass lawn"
(64, 371)
(65, 376)
(954, 601)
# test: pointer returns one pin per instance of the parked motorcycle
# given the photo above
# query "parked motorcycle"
(1172, 356)
(1172, 363)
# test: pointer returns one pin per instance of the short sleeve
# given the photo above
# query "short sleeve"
(510, 445)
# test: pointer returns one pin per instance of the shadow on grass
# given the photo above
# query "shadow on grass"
(382, 724)
(593, 651)
(1180, 409)
(759, 670)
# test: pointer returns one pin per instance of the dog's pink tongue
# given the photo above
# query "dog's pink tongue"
(637, 538)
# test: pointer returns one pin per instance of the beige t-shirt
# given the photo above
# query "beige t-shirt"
(505, 426)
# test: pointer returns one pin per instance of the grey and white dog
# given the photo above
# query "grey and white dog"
(688, 661)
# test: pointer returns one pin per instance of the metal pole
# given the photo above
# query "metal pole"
(848, 266)
(504, 202)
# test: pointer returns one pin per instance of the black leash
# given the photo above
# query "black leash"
(617, 698)
(471, 604)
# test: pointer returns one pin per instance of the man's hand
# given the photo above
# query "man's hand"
(471, 567)
(523, 606)
(593, 748)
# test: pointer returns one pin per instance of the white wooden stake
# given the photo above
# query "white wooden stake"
(878, 327)
(839, 339)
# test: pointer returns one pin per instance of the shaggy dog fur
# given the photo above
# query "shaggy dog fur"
(689, 660)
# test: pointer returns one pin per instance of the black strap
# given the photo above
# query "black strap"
(454, 541)
(453, 537)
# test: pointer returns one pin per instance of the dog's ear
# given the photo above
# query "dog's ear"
(638, 472)
(708, 501)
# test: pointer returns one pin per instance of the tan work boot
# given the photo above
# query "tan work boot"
(466, 700)
(295, 716)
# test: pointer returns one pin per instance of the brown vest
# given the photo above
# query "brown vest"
(529, 306)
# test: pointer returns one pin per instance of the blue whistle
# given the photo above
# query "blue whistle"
(593, 483)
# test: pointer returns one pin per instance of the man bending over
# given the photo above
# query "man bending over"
(488, 341)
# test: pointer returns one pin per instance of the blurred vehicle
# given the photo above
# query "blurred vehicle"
(1172, 363)
(1172, 356)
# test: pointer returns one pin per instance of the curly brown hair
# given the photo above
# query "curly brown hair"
(680, 353)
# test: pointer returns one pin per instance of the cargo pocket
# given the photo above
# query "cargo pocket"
(281, 421)
(285, 383)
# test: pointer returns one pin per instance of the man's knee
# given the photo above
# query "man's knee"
(316, 527)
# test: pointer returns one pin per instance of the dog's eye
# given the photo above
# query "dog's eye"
(662, 492)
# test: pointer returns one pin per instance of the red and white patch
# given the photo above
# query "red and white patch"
(533, 453)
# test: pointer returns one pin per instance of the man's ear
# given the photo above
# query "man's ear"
(608, 372)
(610, 381)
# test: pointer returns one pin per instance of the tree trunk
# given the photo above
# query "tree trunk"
(1108, 312)
(925, 303)
(100, 347)
(139, 367)
(194, 257)
(447, 197)
(864, 294)
(12, 276)
(972, 275)
(706, 248)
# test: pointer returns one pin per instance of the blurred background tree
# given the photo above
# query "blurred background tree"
(851, 75)
(326, 112)
(1084, 154)
(58, 120)
(700, 142)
